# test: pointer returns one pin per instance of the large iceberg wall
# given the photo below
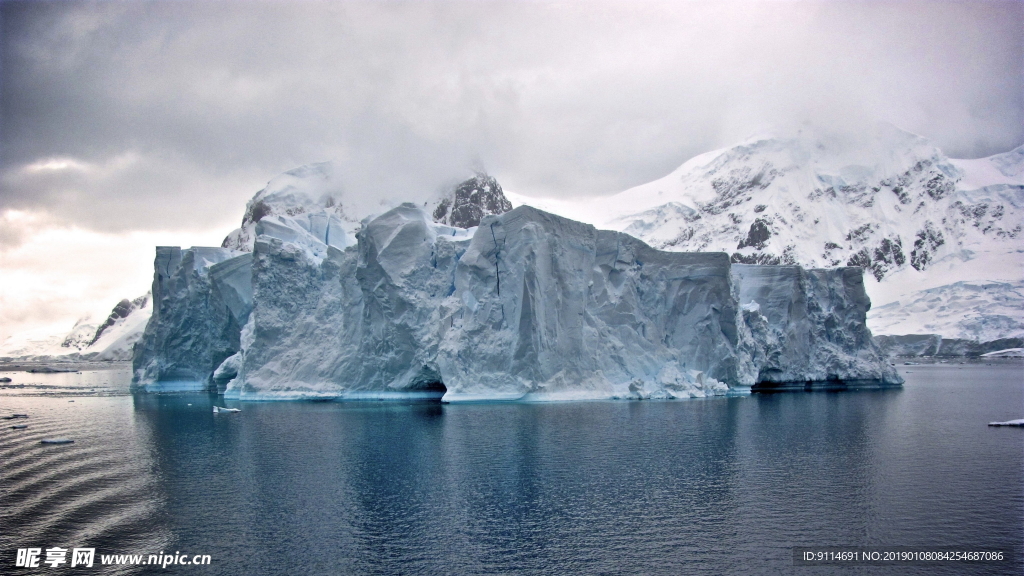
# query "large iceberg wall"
(201, 297)
(548, 307)
(809, 327)
(552, 309)
(362, 322)
(527, 305)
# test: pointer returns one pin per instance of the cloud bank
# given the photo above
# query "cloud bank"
(176, 112)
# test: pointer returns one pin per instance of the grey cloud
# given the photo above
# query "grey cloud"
(210, 100)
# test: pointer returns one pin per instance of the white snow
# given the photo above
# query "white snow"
(39, 342)
(970, 310)
(1005, 168)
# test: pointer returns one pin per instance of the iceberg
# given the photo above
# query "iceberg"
(524, 305)
(810, 328)
(548, 308)
(193, 327)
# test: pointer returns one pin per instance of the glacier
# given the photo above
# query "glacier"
(523, 305)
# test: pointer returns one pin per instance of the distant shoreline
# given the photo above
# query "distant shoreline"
(72, 366)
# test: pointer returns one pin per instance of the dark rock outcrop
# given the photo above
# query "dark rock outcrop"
(470, 201)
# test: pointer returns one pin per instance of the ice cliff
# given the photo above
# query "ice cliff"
(808, 326)
(526, 305)
(201, 298)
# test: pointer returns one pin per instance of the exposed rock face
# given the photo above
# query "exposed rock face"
(81, 335)
(470, 201)
(122, 310)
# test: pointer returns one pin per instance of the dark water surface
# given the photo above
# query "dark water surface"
(725, 485)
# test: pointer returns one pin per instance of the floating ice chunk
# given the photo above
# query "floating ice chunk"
(1008, 423)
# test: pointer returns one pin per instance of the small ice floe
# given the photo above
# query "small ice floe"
(5, 379)
(1007, 353)
(70, 400)
(19, 426)
(218, 409)
(56, 441)
(1008, 423)
(19, 415)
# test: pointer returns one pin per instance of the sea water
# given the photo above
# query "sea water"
(719, 485)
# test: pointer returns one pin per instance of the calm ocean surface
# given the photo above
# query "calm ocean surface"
(725, 485)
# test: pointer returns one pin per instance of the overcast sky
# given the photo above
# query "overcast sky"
(128, 124)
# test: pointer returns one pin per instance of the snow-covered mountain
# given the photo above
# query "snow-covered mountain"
(109, 340)
(469, 201)
(967, 310)
(892, 203)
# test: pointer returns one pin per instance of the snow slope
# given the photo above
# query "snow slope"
(968, 310)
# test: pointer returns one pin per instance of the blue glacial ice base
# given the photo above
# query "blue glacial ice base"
(526, 306)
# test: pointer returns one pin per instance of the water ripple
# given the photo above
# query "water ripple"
(97, 492)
